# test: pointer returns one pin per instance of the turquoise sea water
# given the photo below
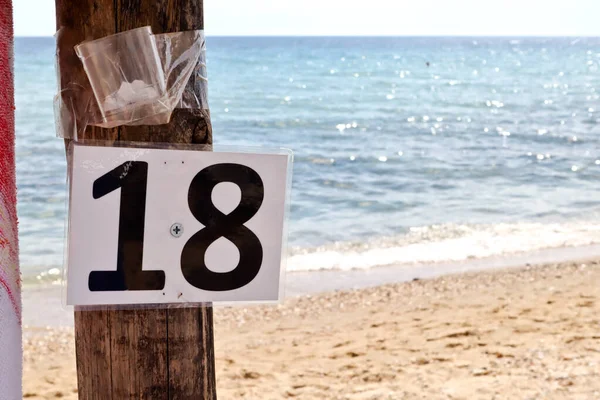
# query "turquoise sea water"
(406, 149)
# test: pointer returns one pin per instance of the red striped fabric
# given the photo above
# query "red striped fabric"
(9, 274)
(10, 296)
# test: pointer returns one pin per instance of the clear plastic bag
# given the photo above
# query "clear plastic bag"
(136, 78)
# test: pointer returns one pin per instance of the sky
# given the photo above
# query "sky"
(372, 17)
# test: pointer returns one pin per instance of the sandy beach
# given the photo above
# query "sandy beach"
(526, 333)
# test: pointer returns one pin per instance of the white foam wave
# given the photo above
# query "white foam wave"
(445, 243)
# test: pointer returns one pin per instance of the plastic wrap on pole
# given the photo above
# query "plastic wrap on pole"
(175, 49)
(133, 78)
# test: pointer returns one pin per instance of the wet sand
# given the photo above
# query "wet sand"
(524, 333)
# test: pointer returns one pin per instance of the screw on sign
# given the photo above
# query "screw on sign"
(176, 230)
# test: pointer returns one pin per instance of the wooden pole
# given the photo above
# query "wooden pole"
(141, 353)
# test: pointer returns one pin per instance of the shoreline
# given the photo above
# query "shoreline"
(42, 304)
(514, 333)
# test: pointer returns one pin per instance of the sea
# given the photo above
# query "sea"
(415, 151)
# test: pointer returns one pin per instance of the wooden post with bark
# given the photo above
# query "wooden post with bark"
(139, 353)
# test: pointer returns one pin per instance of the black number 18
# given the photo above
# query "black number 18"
(132, 177)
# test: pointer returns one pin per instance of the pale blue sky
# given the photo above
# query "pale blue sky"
(371, 17)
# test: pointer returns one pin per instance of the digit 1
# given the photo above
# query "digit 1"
(132, 178)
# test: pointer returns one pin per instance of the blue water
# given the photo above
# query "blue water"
(491, 149)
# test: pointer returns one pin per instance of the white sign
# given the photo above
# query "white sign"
(171, 226)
